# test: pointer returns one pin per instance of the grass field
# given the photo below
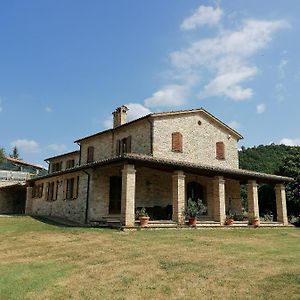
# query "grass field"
(43, 261)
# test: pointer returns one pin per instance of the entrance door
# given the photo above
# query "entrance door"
(115, 191)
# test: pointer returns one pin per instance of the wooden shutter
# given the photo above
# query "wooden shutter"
(75, 187)
(118, 147)
(177, 142)
(128, 144)
(65, 189)
(220, 150)
(90, 154)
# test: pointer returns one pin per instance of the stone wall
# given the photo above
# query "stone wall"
(73, 209)
(199, 141)
(99, 192)
(64, 160)
(233, 196)
(105, 144)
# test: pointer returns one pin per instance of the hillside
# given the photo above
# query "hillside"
(267, 159)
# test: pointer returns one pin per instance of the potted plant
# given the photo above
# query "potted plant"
(191, 211)
(229, 217)
(144, 217)
(255, 221)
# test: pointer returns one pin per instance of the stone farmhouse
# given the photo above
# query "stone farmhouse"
(158, 162)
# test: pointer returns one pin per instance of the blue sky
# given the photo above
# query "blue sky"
(66, 65)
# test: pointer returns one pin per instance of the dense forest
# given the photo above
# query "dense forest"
(275, 159)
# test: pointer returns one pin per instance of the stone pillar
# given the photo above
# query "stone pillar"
(178, 190)
(219, 199)
(128, 195)
(252, 195)
(28, 206)
(281, 204)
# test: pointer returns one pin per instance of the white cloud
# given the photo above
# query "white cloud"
(26, 146)
(1, 108)
(58, 148)
(290, 142)
(204, 15)
(234, 124)
(280, 90)
(228, 84)
(171, 95)
(281, 68)
(261, 108)
(48, 109)
(227, 57)
(136, 111)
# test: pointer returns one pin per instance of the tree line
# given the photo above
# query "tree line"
(279, 160)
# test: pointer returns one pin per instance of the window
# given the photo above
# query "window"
(70, 163)
(71, 188)
(90, 154)
(56, 167)
(37, 191)
(52, 190)
(220, 150)
(177, 142)
(123, 146)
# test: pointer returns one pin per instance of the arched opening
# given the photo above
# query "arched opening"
(197, 192)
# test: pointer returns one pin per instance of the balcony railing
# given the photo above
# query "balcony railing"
(14, 175)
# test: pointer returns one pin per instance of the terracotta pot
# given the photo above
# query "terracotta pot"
(229, 221)
(192, 221)
(255, 222)
(144, 221)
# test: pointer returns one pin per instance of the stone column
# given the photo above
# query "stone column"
(281, 204)
(178, 190)
(28, 206)
(219, 199)
(252, 195)
(128, 195)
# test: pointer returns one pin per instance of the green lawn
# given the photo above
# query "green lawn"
(43, 261)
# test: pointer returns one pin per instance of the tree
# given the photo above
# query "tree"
(291, 167)
(2, 155)
(15, 153)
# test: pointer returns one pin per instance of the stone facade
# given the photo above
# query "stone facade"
(200, 135)
(63, 160)
(72, 209)
(105, 144)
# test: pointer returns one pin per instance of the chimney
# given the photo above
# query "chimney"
(120, 115)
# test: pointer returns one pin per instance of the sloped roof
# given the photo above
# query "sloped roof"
(22, 162)
(172, 165)
(163, 114)
(62, 155)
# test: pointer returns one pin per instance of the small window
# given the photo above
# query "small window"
(56, 167)
(37, 191)
(52, 190)
(90, 154)
(70, 163)
(71, 188)
(177, 142)
(123, 146)
(220, 150)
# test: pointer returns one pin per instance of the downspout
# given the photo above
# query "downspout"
(87, 196)
(151, 135)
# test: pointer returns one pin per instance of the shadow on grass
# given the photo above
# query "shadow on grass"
(58, 222)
